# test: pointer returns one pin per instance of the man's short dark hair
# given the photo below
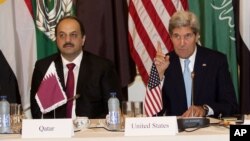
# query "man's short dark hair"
(73, 18)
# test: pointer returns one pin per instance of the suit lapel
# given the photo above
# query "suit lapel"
(59, 70)
(82, 73)
(177, 72)
(200, 71)
(177, 68)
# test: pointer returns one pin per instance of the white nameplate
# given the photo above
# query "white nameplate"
(47, 128)
(148, 126)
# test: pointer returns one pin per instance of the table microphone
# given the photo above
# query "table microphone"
(192, 122)
(69, 99)
(74, 97)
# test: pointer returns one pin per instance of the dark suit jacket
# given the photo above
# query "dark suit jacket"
(97, 78)
(212, 84)
(8, 81)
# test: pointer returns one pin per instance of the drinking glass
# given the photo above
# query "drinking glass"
(138, 109)
(127, 111)
(16, 116)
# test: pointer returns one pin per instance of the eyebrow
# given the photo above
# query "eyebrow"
(65, 32)
(183, 34)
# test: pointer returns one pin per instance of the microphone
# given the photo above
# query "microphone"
(74, 97)
(192, 122)
(69, 99)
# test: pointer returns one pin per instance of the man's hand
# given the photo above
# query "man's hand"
(194, 111)
(161, 61)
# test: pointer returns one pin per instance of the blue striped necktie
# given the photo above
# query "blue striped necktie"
(188, 81)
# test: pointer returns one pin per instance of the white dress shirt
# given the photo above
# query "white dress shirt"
(77, 62)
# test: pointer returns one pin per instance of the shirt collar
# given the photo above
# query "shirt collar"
(76, 61)
(191, 59)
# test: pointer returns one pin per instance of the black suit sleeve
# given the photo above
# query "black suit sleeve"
(226, 96)
(8, 82)
(35, 110)
(40, 69)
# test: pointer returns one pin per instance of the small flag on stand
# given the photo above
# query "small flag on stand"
(50, 94)
(153, 98)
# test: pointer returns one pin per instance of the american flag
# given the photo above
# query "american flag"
(148, 24)
(153, 98)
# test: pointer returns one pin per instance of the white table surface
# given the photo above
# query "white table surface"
(211, 133)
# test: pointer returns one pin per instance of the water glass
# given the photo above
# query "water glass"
(127, 111)
(16, 116)
(138, 109)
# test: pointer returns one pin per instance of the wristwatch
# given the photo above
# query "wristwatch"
(206, 109)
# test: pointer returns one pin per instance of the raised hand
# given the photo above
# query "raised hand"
(161, 61)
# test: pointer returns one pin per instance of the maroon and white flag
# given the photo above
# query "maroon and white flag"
(50, 94)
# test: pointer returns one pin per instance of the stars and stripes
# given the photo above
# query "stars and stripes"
(153, 98)
(148, 24)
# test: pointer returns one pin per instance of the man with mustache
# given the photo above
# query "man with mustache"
(94, 77)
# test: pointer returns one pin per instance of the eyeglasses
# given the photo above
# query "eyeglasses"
(186, 37)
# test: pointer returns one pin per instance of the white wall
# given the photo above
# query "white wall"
(137, 90)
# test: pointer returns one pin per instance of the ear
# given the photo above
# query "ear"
(83, 40)
(197, 38)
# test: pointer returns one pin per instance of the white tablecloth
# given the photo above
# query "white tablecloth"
(212, 133)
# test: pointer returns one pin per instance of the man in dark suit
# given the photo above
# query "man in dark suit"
(95, 77)
(213, 92)
(8, 81)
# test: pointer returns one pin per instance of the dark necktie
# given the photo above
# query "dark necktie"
(70, 89)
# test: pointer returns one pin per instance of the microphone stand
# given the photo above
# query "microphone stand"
(192, 92)
(74, 97)
(192, 122)
(69, 99)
